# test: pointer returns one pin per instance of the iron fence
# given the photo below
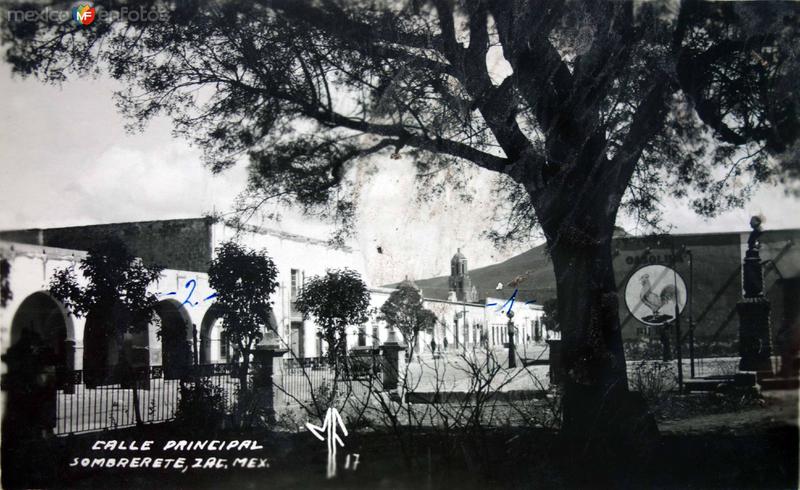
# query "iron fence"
(87, 401)
(87, 407)
(303, 380)
(96, 400)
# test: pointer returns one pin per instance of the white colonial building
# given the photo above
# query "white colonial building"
(30, 258)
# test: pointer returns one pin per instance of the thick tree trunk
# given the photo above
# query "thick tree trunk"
(604, 427)
(593, 357)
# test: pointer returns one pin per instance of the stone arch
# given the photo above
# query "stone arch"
(176, 338)
(43, 320)
(42, 347)
(209, 335)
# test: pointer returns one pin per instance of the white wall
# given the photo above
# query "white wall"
(32, 268)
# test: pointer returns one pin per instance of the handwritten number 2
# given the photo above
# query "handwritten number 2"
(193, 284)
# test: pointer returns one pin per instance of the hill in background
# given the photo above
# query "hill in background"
(539, 282)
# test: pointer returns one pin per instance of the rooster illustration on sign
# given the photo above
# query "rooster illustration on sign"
(652, 293)
(655, 300)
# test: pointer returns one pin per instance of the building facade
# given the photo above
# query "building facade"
(186, 315)
(187, 308)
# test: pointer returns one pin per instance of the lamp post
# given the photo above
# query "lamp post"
(691, 315)
(464, 316)
(512, 361)
(455, 329)
(677, 321)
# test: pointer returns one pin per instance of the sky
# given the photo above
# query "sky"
(66, 159)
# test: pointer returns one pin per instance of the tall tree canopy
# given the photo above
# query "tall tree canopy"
(600, 106)
(115, 290)
(244, 280)
(116, 299)
(336, 300)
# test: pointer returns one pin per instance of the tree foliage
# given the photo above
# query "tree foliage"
(617, 102)
(244, 280)
(115, 290)
(337, 300)
(115, 295)
(405, 310)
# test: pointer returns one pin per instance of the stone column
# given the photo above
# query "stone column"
(391, 351)
(755, 338)
(267, 358)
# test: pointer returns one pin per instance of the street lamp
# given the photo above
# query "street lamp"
(677, 320)
(455, 329)
(512, 361)
(691, 315)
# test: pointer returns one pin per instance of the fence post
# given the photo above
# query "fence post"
(267, 357)
(391, 350)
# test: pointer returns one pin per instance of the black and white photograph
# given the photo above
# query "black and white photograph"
(399, 244)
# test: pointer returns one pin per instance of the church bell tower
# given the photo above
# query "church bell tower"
(460, 283)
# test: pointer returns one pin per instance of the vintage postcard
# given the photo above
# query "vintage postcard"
(401, 244)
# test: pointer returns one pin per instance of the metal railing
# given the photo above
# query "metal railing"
(304, 379)
(96, 400)
(87, 407)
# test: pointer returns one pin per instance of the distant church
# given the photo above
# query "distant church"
(461, 288)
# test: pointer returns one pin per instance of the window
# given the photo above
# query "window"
(297, 283)
(224, 346)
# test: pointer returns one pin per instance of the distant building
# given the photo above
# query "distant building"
(709, 265)
(460, 284)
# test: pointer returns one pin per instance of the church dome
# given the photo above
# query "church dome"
(458, 257)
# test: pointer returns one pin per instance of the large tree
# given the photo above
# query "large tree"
(336, 300)
(598, 106)
(115, 298)
(244, 280)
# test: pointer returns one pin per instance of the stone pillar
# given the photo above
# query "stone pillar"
(267, 358)
(755, 338)
(391, 351)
